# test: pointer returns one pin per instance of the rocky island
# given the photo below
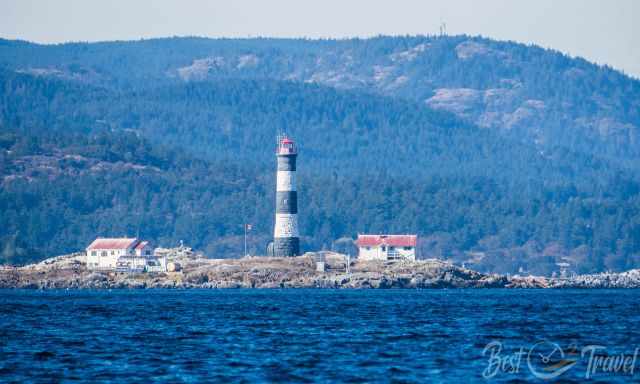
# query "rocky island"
(70, 272)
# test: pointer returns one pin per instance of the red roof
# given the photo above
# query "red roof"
(392, 240)
(286, 147)
(113, 243)
(142, 244)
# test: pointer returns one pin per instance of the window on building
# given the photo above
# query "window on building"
(384, 248)
(368, 248)
(407, 248)
(113, 253)
(104, 253)
(147, 252)
(93, 253)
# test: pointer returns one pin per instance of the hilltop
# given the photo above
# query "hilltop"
(542, 96)
(501, 156)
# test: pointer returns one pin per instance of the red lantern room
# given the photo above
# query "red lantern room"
(286, 146)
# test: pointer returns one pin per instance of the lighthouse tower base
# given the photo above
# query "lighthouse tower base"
(286, 246)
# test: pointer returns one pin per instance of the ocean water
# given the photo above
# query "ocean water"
(319, 336)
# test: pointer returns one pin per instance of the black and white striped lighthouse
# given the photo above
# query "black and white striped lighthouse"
(285, 233)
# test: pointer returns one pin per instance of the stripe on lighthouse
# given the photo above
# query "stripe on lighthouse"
(287, 202)
(286, 162)
(286, 181)
(286, 225)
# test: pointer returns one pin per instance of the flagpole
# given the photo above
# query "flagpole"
(245, 239)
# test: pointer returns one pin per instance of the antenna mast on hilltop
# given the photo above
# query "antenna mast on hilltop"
(443, 28)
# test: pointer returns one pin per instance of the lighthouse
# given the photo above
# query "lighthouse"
(285, 233)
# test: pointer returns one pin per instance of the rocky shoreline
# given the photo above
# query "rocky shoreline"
(70, 272)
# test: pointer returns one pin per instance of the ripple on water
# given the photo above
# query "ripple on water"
(295, 335)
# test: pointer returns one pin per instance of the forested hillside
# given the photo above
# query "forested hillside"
(502, 156)
(541, 96)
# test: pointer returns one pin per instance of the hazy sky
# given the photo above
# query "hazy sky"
(602, 31)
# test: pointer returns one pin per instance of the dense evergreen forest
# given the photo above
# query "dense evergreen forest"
(504, 157)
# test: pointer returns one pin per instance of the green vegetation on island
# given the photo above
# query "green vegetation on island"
(502, 157)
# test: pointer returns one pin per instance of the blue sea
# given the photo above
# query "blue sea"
(355, 336)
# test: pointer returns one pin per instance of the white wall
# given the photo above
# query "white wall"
(376, 253)
(105, 262)
(109, 262)
(142, 252)
(371, 253)
(97, 260)
(404, 254)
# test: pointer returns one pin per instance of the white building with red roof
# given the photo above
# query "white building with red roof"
(123, 253)
(387, 247)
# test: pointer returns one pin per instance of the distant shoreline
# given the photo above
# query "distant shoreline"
(70, 272)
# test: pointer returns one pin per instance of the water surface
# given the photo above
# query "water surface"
(307, 335)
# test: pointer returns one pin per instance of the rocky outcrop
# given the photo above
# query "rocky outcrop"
(628, 279)
(297, 272)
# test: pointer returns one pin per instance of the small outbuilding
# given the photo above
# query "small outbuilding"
(387, 247)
